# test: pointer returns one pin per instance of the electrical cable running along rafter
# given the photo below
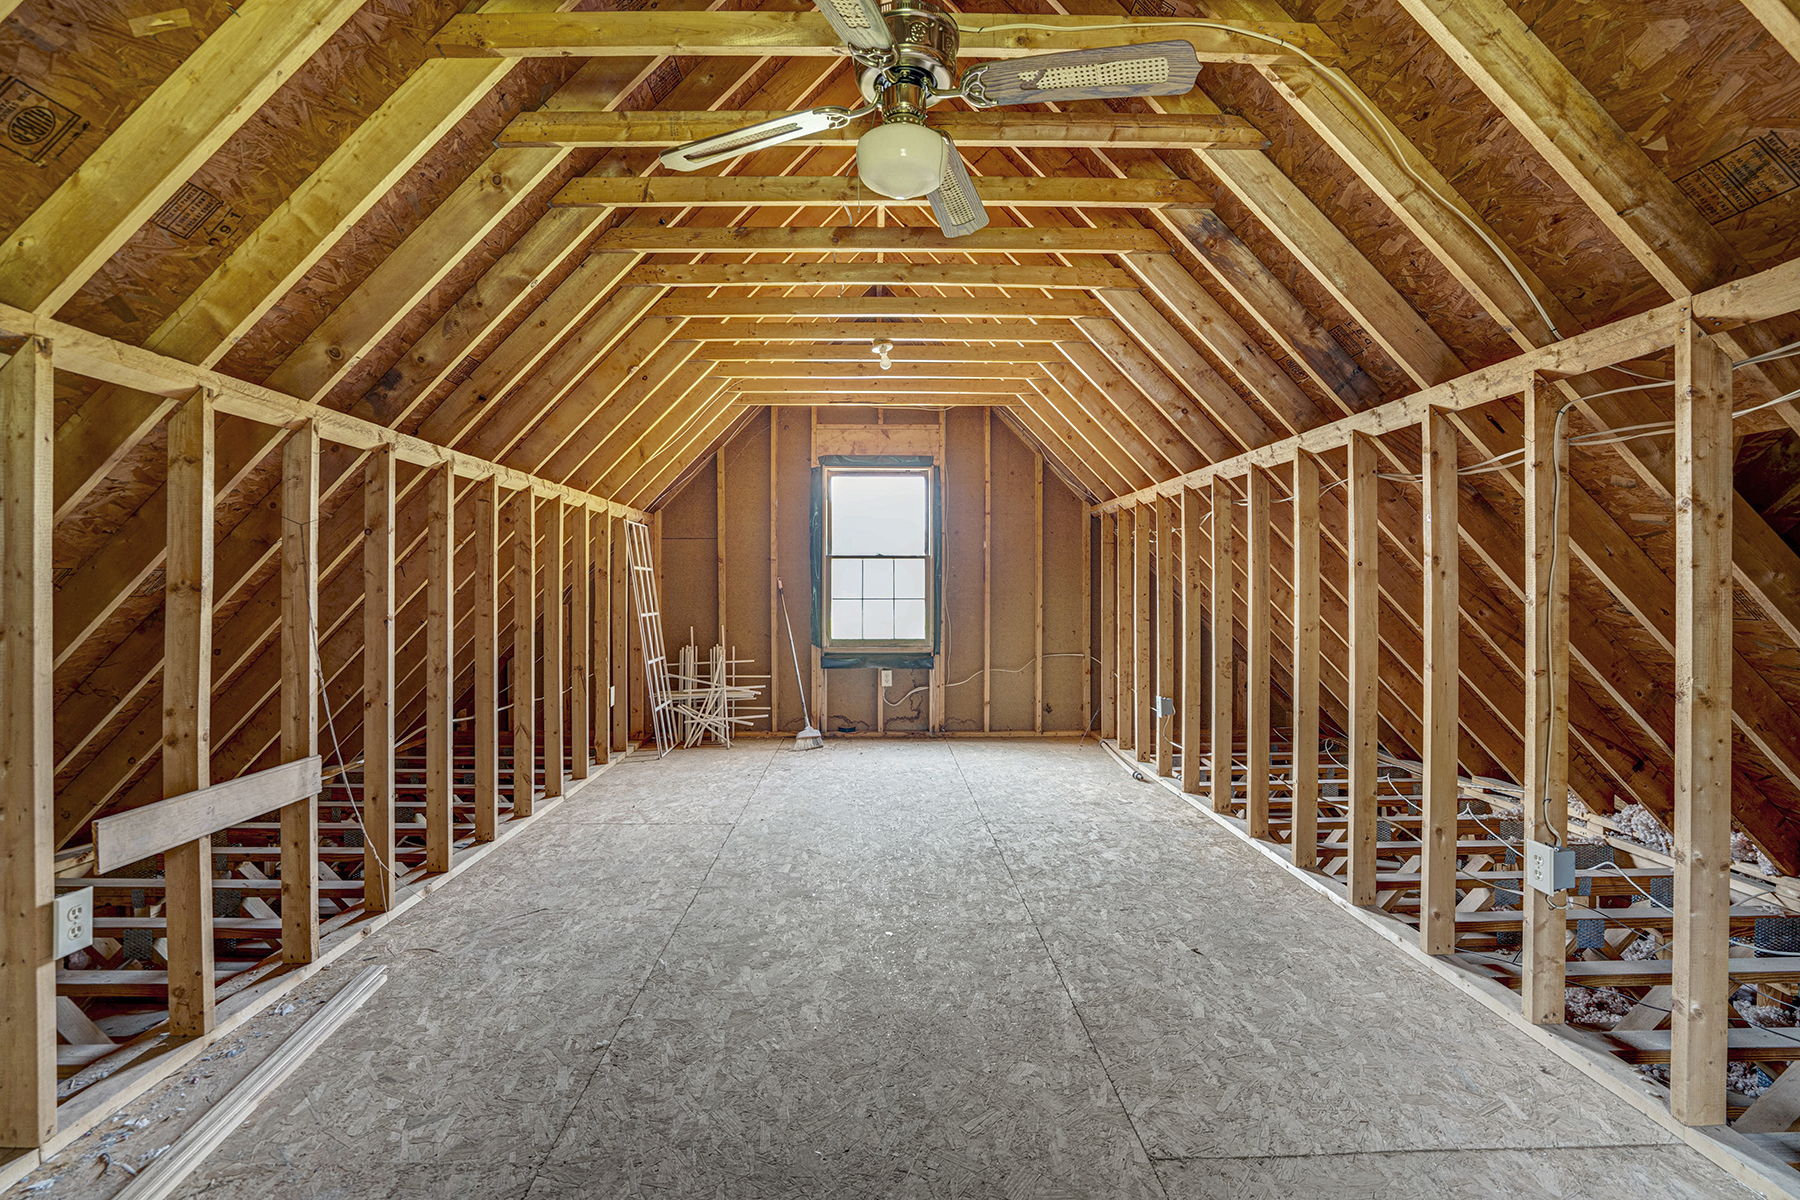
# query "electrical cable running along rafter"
(907, 56)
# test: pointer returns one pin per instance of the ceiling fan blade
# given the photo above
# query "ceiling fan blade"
(1105, 73)
(955, 203)
(760, 136)
(858, 22)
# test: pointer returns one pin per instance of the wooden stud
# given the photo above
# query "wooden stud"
(1221, 732)
(1546, 723)
(379, 494)
(1703, 661)
(1364, 663)
(1122, 633)
(485, 649)
(440, 667)
(521, 521)
(1109, 619)
(807, 34)
(27, 750)
(1437, 889)
(987, 570)
(300, 688)
(738, 191)
(1194, 667)
(581, 643)
(1038, 598)
(187, 708)
(1143, 615)
(1304, 695)
(969, 130)
(554, 636)
(878, 274)
(1258, 612)
(603, 636)
(1168, 568)
(622, 621)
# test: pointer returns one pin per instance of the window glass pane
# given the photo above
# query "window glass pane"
(878, 620)
(878, 514)
(846, 578)
(909, 619)
(909, 578)
(878, 577)
(846, 619)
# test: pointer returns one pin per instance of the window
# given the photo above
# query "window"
(878, 590)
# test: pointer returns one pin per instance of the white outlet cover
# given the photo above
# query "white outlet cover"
(73, 920)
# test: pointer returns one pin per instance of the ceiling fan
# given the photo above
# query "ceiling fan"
(907, 52)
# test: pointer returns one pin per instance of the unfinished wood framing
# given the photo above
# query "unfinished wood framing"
(187, 708)
(1221, 730)
(1546, 724)
(1439, 804)
(1700, 987)
(27, 970)
(339, 342)
(379, 771)
(521, 672)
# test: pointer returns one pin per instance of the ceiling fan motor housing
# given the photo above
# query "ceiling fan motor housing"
(925, 43)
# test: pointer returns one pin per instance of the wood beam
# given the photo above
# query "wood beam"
(1304, 691)
(879, 274)
(1703, 661)
(1575, 134)
(859, 352)
(521, 522)
(1442, 695)
(786, 35)
(808, 191)
(164, 140)
(440, 667)
(1124, 633)
(554, 649)
(1143, 628)
(1193, 640)
(1258, 611)
(851, 308)
(581, 644)
(969, 130)
(187, 707)
(767, 375)
(1546, 774)
(860, 333)
(1363, 697)
(378, 698)
(863, 239)
(1109, 616)
(27, 750)
(1168, 570)
(1222, 727)
(300, 687)
(485, 653)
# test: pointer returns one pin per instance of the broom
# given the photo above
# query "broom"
(808, 738)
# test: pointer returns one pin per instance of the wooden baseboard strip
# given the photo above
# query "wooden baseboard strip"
(166, 1173)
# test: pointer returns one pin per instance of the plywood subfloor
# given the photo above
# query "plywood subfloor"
(917, 969)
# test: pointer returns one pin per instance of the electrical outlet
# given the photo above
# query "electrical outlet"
(1164, 706)
(1547, 869)
(73, 921)
(887, 678)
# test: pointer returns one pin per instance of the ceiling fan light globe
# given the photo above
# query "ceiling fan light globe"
(901, 159)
